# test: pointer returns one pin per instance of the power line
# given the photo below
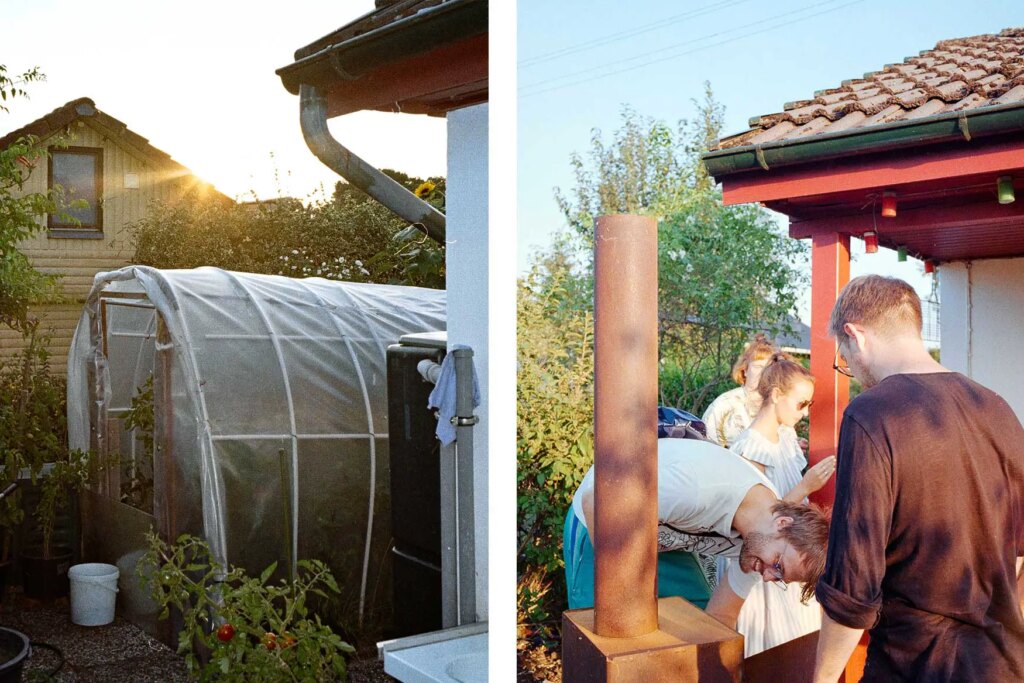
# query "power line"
(673, 56)
(629, 33)
(674, 46)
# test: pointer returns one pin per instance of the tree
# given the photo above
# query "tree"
(555, 440)
(20, 283)
(348, 237)
(725, 273)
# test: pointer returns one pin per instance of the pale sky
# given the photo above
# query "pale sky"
(197, 79)
(579, 62)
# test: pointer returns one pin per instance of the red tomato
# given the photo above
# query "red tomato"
(269, 640)
(225, 633)
(287, 641)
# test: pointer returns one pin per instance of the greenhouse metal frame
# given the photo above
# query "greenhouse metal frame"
(269, 413)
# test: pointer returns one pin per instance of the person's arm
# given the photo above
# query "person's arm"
(835, 645)
(710, 420)
(724, 604)
(814, 479)
(850, 590)
(588, 510)
(1020, 583)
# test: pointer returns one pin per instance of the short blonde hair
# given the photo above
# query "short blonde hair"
(886, 305)
(758, 348)
(781, 373)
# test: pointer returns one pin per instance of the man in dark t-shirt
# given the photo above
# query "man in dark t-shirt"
(928, 520)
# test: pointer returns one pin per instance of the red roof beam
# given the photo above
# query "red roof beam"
(876, 173)
(986, 214)
(437, 75)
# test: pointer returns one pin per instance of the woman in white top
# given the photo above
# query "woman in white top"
(733, 411)
(772, 615)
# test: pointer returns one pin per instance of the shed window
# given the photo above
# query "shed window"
(79, 170)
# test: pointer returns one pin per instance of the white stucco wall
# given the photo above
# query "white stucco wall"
(982, 321)
(466, 209)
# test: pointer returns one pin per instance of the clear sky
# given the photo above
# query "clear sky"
(197, 78)
(580, 61)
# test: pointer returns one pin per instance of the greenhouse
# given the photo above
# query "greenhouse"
(248, 409)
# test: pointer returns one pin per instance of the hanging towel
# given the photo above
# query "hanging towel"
(443, 396)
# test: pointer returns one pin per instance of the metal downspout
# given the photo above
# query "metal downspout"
(313, 116)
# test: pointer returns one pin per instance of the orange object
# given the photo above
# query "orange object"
(830, 271)
(870, 242)
(888, 204)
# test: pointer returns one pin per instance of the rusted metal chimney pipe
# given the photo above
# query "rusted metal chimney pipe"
(625, 530)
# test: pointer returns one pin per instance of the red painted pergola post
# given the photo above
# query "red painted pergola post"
(830, 271)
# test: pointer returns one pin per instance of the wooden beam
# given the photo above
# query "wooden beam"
(873, 173)
(446, 69)
(959, 217)
(830, 271)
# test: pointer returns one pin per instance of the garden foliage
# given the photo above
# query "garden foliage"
(254, 630)
(20, 213)
(725, 273)
(347, 237)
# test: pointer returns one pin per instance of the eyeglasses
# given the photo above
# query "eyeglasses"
(805, 404)
(841, 369)
(776, 570)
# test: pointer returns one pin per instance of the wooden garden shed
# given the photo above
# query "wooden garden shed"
(118, 174)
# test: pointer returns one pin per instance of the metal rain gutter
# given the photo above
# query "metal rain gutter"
(948, 127)
(368, 178)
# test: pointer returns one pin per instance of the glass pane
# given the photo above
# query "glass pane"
(76, 173)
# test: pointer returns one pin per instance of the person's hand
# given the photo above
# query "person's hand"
(818, 475)
(803, 444)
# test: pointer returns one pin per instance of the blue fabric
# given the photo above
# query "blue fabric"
(679, 572)
(443, 396)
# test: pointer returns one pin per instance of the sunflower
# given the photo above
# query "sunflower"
(424, 189)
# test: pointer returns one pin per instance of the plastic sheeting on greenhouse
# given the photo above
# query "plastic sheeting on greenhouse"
(268, 428)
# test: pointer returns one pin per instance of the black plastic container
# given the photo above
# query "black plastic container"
(415, 488)
(12, 641)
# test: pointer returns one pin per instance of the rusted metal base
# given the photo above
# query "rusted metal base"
(792, 662)
(688, 646)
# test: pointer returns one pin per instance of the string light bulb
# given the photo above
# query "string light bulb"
(1004, 187)
(901, 254)
(870, 242)
(888, 204)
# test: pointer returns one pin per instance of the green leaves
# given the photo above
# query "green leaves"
(347, 237)
(274, 638)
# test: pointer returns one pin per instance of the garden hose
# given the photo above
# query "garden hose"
(52, 648)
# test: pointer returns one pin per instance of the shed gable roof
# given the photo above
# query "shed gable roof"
(956, 75)
(84, 108)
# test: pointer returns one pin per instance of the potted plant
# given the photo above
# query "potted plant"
(45, 567)
(247, 628)
(32, 428)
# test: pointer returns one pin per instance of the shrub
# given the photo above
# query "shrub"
(348, 237)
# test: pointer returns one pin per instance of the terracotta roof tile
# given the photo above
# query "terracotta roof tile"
(956, 75)
(1015, 94)
(851, 120)
(773, 133)
(929, 108)
(891, 113)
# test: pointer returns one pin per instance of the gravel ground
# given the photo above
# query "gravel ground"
(117, 653)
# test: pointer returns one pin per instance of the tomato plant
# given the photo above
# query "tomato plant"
(237, 618)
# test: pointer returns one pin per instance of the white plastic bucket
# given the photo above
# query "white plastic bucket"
(93, 593)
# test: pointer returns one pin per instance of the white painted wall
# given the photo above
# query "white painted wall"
(467, 267)
(982, 323)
